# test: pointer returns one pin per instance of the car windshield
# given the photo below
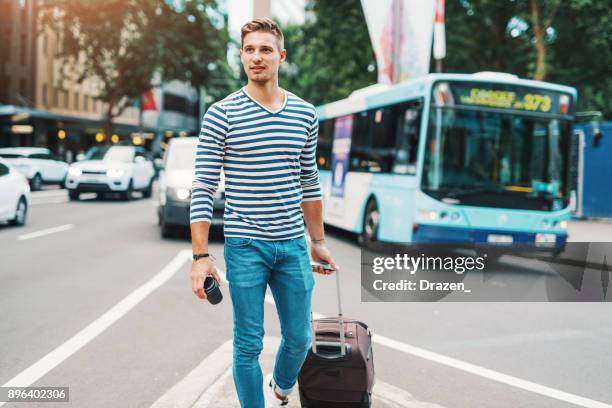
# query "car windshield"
(11, 155)
(122, 154)
(181, 156)
(521, 159)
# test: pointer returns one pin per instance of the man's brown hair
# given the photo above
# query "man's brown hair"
(267, 26)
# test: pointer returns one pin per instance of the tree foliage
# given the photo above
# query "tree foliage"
(330, 55)
(563, 41)
(567, 42)
(124, 44)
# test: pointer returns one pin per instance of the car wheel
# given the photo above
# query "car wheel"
(127, 194)
(371, 222)
(20, 213)
(36, 182)
(73, 195)
(148, 192)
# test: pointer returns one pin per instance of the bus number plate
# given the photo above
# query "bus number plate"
(500, 239)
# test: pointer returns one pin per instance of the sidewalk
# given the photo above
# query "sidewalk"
(211, 385)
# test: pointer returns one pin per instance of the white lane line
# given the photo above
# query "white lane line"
(31, 374)
(44, 232)
(220, 393)
(474, 369)
(489, 374)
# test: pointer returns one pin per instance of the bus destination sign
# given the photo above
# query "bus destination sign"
(511, 97)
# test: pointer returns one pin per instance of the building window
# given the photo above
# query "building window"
(45, 44)
(45, 97)
(56, 97)
(85, 103)
(66, 105)
(76, 101)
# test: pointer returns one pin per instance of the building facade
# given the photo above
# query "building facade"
(40, 107)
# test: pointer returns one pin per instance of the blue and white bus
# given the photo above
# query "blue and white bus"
(450, 158)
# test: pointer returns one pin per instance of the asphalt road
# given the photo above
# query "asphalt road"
(54, 286)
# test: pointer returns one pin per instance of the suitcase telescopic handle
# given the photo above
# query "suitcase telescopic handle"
(340, 322)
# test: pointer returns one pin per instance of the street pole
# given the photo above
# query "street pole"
(397, 31)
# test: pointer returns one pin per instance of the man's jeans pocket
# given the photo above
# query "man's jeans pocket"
(237, 242)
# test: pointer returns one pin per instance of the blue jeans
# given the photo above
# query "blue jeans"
(252, 265)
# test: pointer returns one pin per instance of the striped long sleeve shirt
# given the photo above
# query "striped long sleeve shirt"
(268, 159)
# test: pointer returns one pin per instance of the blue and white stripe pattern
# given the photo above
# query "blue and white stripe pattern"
(268, 159)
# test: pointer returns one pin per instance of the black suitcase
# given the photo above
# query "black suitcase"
(339, 369)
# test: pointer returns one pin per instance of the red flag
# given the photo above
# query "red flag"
(148, 101)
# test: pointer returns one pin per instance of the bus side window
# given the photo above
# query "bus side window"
(384, 123)
(361, 146)
(324, 143)
(407, 139)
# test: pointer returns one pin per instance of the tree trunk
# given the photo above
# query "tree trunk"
(540, 45)
(108, 125)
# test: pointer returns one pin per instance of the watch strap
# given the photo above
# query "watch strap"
(200, 256)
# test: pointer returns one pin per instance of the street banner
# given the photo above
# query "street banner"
(439, 48)
(148, 101)
(401, 34)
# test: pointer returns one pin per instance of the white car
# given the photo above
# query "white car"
(38, 164)
(112, 169)
(175, 180)
(14, 195)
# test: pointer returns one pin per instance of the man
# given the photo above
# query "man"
(265, 139)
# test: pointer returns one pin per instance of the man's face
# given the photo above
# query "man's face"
(261, 56)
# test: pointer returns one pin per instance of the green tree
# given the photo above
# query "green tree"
(568, 42)
(330, 55)
(124, 44)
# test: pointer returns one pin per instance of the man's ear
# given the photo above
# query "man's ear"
(283, 55)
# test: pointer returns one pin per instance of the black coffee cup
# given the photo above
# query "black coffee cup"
(213, 293)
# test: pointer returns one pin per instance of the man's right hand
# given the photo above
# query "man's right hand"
(200, 269)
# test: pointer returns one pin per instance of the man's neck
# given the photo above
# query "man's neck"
(267, 93)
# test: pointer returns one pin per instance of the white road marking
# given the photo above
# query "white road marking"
(489, 374)
(31, 374)
(44, 232)
(473, 368)
(187, 391)
(210, 384)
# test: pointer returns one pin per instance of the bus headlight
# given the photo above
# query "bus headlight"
(563, 224)
(428, 215)
(74, 171)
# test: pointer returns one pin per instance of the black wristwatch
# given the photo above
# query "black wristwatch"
(199, 256)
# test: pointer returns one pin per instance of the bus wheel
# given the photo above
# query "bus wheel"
(371, 221)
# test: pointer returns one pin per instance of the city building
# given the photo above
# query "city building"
(39, 107)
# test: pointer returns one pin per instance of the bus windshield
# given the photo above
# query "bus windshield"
(497, 159)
